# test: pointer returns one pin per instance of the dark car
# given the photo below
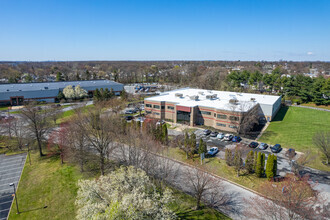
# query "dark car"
(253, 144)
(263, 146)
(236, 139)
(276, 148)
(206, 132)
(129, 118)
(214, 134)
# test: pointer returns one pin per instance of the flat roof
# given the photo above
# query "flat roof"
(14, 87)
(220, 100)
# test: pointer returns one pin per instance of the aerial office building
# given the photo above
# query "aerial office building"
(219, 109)
(16, 94)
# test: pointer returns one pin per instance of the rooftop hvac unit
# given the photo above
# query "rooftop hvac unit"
(194, 97)
(214, 96)
(233, 101)
(179, 95)
(201, 93)
(253, 99)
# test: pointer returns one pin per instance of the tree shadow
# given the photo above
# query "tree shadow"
(281, 113)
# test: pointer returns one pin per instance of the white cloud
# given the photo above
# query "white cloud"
(310, 53)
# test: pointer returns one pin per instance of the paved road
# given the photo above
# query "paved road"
(10, 171)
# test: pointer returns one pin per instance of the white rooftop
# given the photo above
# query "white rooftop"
(220, 100)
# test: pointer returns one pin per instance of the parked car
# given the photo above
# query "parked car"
(127, 112)
(213, 151)
(276, 148)
(220, 135)
(236, 139)
(214, 134)
(263, 146)
(206, 132)
(253, 144)
(228, 137)
(161, 122)
(129, 118)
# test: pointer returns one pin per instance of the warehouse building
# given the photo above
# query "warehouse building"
(219, 109)
(16, 94)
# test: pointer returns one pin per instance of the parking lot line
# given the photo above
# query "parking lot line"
(11, 159)
(10, 162)
(4, 210)
(9, 174)
(5, 167)
(5, 202)
(12, 169)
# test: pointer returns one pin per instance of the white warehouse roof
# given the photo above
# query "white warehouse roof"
(219, 100)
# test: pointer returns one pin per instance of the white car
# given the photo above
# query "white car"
(213, 151)
(228, 137)
(221, 135)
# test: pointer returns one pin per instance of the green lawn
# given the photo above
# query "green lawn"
(3, 108)
(294, 127)
(48, 183)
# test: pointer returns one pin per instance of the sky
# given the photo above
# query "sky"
(70, 30)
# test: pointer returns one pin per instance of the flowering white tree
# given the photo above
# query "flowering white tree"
(80, 92)
(126, 193)
(68, 92)
(74, 93)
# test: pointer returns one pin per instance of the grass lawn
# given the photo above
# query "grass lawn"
(220, 168)
(3, 108)
(67, 114)
(48, 183)
(294, 127)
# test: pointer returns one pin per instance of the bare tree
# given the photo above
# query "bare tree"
(19, 131)
(322, 141)
(293, 198)
(38, 123)
(244, 116)
(100, 132)
(201, 184)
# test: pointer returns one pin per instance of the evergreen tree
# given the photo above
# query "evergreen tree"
(102, 94)
(269, 167)
(112, 93)
(255, 160)
(123, 94)
(275, 165)
(164, 134)
(259, 168)
(59, 77)
(186, 144)
(106, 94)
(192, 145)
(263, 159)
(202, 147)
(237, 161)
(60, 95)
(97, 94)
(228, 157)
(249, 162)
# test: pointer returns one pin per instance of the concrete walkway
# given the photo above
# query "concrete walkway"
(310, 107)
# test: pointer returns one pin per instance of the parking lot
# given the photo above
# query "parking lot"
(283, 162)
(10, 171)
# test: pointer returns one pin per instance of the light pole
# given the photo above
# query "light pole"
(13, 184)
(28, 147)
